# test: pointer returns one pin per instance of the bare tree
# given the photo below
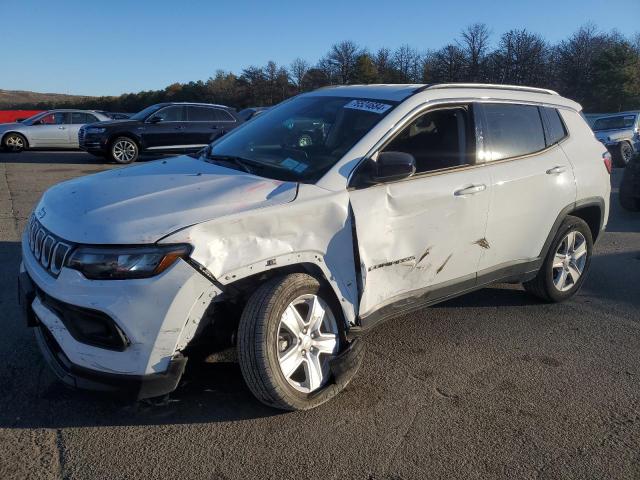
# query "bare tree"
(343, 57)
(475, 45)
(521, 59)
(445, 65)
(408, 62)
(298, 69)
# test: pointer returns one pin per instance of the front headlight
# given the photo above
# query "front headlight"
(96, 130)
(119, 263)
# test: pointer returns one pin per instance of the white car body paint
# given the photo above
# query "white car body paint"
(411, 235)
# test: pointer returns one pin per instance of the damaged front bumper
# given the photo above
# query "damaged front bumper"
(152, 321)
(133, 387)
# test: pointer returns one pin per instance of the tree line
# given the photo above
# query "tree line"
(601, 70)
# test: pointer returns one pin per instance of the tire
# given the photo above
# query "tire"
(14, 142)
(123, 150)
(268, 350)
(623, 154)
(548, 284)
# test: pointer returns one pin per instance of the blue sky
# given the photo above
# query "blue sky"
(111, 47)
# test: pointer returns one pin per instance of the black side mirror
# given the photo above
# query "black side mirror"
(155, 119)
(391, 166)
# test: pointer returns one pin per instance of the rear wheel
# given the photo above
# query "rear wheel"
(623, 154)
(566, 264)
(290, 329)
(14, 142)
(123, 150)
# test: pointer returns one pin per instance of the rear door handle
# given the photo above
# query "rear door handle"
(557, 170)
(473, 189)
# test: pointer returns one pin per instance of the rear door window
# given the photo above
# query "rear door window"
(512, 130)
(201, 114)
(82, 118)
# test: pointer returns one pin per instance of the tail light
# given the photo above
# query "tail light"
(606, 157)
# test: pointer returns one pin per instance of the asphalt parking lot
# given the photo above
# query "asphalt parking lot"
(491, 385)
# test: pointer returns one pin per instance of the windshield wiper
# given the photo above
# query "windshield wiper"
(239, 161)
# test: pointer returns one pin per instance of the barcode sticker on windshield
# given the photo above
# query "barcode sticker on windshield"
(368, 106)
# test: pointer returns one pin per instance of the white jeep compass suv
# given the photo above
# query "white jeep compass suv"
(308, 225)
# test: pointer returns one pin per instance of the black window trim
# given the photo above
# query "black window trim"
(419, 111)
(487, 138)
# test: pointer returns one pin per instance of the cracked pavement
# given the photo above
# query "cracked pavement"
(490, 385)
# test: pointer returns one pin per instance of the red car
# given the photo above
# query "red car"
(9, 116)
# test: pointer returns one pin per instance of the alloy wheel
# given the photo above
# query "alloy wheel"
(14, 143)
(569, 261)
(124, 151)
(308, 339)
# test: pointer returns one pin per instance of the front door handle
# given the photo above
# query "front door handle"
(473, 189)
(557, 170)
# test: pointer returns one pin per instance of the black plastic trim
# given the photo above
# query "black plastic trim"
(132, 387)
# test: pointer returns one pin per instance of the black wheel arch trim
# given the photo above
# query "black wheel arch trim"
(568, 210)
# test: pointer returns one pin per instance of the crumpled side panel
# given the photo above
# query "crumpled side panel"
(314, 228)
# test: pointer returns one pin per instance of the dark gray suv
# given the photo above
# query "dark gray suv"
(160, 128)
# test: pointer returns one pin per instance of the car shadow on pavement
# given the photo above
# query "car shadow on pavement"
(31, 396)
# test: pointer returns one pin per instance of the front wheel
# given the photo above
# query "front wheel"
(566, 264)
(123, 150)
(14, 142)
(290, 329)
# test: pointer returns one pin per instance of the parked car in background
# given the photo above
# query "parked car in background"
(620, 133)
(630, 185)
(116, 115)
(160, 128)
(249, 113)
(294, 234)
(12, 116)
(50, 129)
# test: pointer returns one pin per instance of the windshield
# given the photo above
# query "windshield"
(30, 120)
(300, 139)
(142, 114)
(614, 123)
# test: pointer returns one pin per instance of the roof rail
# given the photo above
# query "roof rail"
(519, 88)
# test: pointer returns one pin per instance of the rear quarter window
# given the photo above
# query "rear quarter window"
(556, 130)
(513, 130)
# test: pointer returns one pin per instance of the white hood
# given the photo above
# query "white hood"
(146, 202)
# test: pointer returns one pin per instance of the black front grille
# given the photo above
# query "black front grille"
(49, 250)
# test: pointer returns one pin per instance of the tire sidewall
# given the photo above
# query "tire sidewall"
(567, 226)
(271, 338)
(112, 145)
(258, 345)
